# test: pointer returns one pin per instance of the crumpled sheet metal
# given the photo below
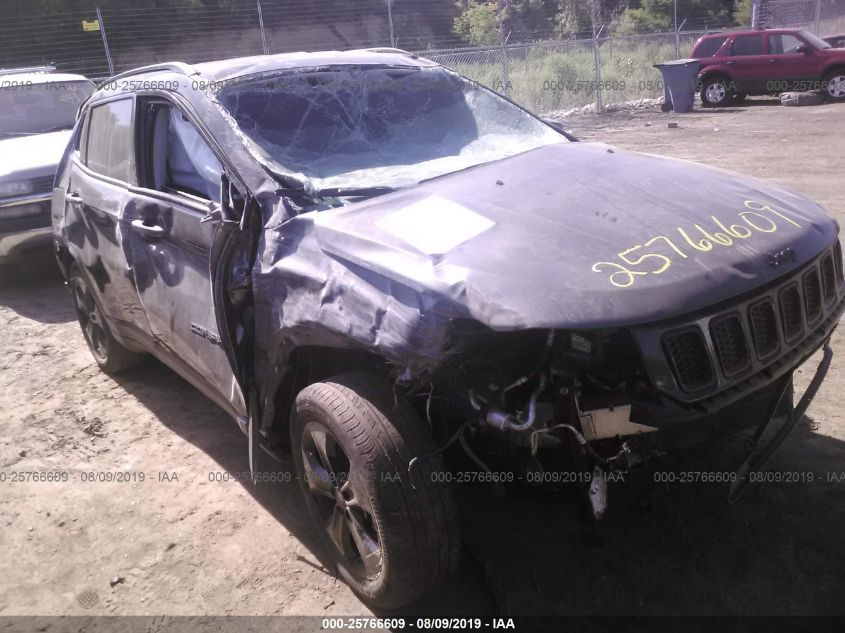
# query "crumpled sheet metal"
(561, 215)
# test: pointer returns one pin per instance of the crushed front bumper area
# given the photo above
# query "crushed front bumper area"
(760, 452)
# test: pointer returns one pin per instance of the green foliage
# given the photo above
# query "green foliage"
(573, 17)
(478, 24)
(742, 12)
(658, 15)
(525, 20)
(563, 75)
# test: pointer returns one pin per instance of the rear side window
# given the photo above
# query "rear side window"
(709, 47)
(748, 45)
(109, 150)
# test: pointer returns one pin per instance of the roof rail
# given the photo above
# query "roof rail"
(176, 67)
(387, 49)
(30, 69)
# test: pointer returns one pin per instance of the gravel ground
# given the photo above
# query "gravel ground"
(179, 543)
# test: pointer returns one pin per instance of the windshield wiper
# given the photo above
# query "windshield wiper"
(58, 128)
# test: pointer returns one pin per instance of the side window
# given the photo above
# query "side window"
(709, 47)
(179, 160)
(784, 44)
(747, 45)
(109, 150)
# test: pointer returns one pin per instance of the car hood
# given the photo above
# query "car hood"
(579, 236)
(32, 156)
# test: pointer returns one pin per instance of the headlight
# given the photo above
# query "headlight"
(17, 188)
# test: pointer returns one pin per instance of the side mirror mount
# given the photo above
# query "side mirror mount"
(558, 127)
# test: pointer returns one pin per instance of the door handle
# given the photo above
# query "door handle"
(152, 231)
(773, 61)
(730, 63)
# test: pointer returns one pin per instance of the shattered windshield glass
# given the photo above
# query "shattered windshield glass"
(364, 127)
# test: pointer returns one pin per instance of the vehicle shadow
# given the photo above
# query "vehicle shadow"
(34, 288)
(758, 102)
(212, 431)
(670, 542)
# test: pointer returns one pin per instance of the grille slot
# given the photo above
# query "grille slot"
(790, 312)
(837, 261)
(689, 357)
(812, 295)
(730, 343)
(764, 328)
(828, 279)
(43, 184)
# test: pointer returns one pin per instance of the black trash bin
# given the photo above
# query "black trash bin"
(680, 77)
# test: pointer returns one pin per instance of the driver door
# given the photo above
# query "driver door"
(180, 184)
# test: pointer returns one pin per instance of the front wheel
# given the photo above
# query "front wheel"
(834, 84)
(392, 535)
(715, 92)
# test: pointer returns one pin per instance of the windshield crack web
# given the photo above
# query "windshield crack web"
(356, 127)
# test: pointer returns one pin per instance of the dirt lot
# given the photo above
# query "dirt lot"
(178, 543)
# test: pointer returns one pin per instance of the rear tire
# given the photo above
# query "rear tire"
(111, 356)
(390, 540)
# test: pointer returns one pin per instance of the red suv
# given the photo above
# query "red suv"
(759, 62)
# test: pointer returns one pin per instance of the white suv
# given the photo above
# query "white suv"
(37, 111)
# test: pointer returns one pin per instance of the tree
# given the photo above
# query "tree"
(478, 24)
(650, 16)
(575, 17)
(742, 12)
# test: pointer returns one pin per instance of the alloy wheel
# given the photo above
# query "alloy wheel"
(90, 318)
(836, 86)
(716, 92)
(342, 502)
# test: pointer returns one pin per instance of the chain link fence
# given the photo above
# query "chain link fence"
(823, 17)
(552, 76)
(542, 76)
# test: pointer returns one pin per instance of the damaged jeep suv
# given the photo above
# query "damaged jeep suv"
(379, 268)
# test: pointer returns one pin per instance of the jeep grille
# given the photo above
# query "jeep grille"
(774, 323)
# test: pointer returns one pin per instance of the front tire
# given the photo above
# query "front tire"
(390, 540)
(834, 85)
(111, 356)
(715, 92)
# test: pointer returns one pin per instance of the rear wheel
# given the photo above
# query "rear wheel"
(391, 540)
(834, 85)
(110, 355)
(715, 92)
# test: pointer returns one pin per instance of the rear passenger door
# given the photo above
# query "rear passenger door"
(748, 64)
(98, 212)
(179, 191)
